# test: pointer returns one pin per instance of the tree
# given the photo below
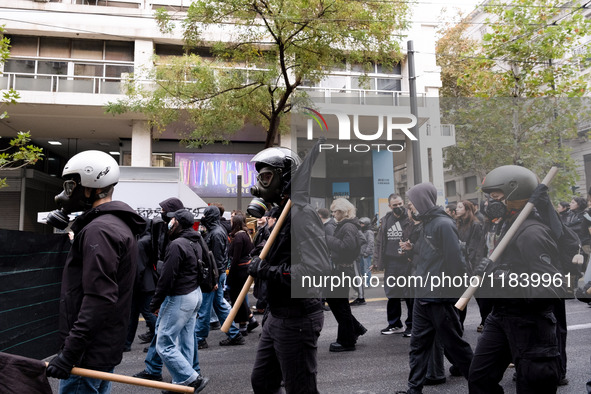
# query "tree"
(19, 152)
(275, 46)
(524, 84)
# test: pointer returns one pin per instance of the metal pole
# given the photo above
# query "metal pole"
(239, 192)
(412, 87)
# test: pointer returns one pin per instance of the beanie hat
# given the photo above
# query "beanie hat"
(423, 196)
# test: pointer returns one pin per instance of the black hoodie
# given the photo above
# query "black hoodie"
(97, 285)
(216, 237)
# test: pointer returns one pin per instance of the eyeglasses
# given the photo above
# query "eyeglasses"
(69, 187)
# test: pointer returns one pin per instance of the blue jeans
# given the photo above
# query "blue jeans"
(153, 361)
(176, 335)
(221, 307)
(81, 385)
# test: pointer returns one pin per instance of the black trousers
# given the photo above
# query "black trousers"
(561, 331)
(394, 312)
(429, 320)
(527, 339)
(348, 326)
(287, 352)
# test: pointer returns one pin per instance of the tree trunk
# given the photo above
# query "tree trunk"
(272, 132)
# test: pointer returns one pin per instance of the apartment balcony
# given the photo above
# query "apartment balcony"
(325, 95)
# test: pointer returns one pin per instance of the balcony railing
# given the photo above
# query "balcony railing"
(61, 83)
(362, 96)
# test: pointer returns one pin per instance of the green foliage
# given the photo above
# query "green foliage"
(526, 76)
(20, 152)
(252, 78)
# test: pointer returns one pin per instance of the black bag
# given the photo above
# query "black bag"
(207, 267)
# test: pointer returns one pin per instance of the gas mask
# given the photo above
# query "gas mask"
(398, 211)
(268, 186)
(71, 199)
(495, 209)
(257, 207)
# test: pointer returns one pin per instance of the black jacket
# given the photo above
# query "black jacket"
(179, 274)
(216, 237)
(577, 222)
(473, 236)
(298, 251)
(345, 244)
(97, 285)
(439, 251)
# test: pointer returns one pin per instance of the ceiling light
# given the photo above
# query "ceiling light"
(54, 142)
(114, 153)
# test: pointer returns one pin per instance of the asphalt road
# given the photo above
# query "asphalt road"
(379, 365)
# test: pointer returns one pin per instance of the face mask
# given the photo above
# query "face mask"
(495, 210)
(71, 199)
(268, 186)
(170, 224)
(398, 211)
(165, 218)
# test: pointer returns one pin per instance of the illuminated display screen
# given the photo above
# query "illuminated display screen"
(214, 174)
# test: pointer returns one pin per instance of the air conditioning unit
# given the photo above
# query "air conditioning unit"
(41, 1)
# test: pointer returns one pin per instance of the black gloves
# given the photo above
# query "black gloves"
(546, 210)
(481, 266)
(258, 268)
(59, 367)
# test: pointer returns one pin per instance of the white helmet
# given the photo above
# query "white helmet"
(96, 169)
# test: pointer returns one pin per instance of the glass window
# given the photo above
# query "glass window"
(87, 49)
(49, 67)
(169, 50)
(23, 45)
(19, 66)
(470, 184)
(119, 50)
(389, 69)
(90, 70)
(391, 84)
(54, 47)
(116, 71)
(450, 189)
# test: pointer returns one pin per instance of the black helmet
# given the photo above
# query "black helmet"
(274, 166)
(277, 157)
(516, 183)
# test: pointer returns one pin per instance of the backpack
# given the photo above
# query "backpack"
(206, 267)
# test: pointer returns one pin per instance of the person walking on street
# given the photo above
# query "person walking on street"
(99, 274)
(433, 312)
(390, 255)
(177, 300)
(287, 350)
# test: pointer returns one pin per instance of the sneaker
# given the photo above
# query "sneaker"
(392, 329)
(434, 382)
(202, 344)
(146, 375)
(199, 384)
(215, 325)
(407, 333)
(237, 340)
(146, 337)
(358, 301)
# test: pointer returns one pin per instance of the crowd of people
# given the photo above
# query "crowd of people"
(121, 266)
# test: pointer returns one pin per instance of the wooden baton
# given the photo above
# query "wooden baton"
(90, 373)
(250, 279)
(465, 298)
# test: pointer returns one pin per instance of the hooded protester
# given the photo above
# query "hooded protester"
(217, 242)
(434, 313)
(274, 366)
(177, 300)
(99, 273)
